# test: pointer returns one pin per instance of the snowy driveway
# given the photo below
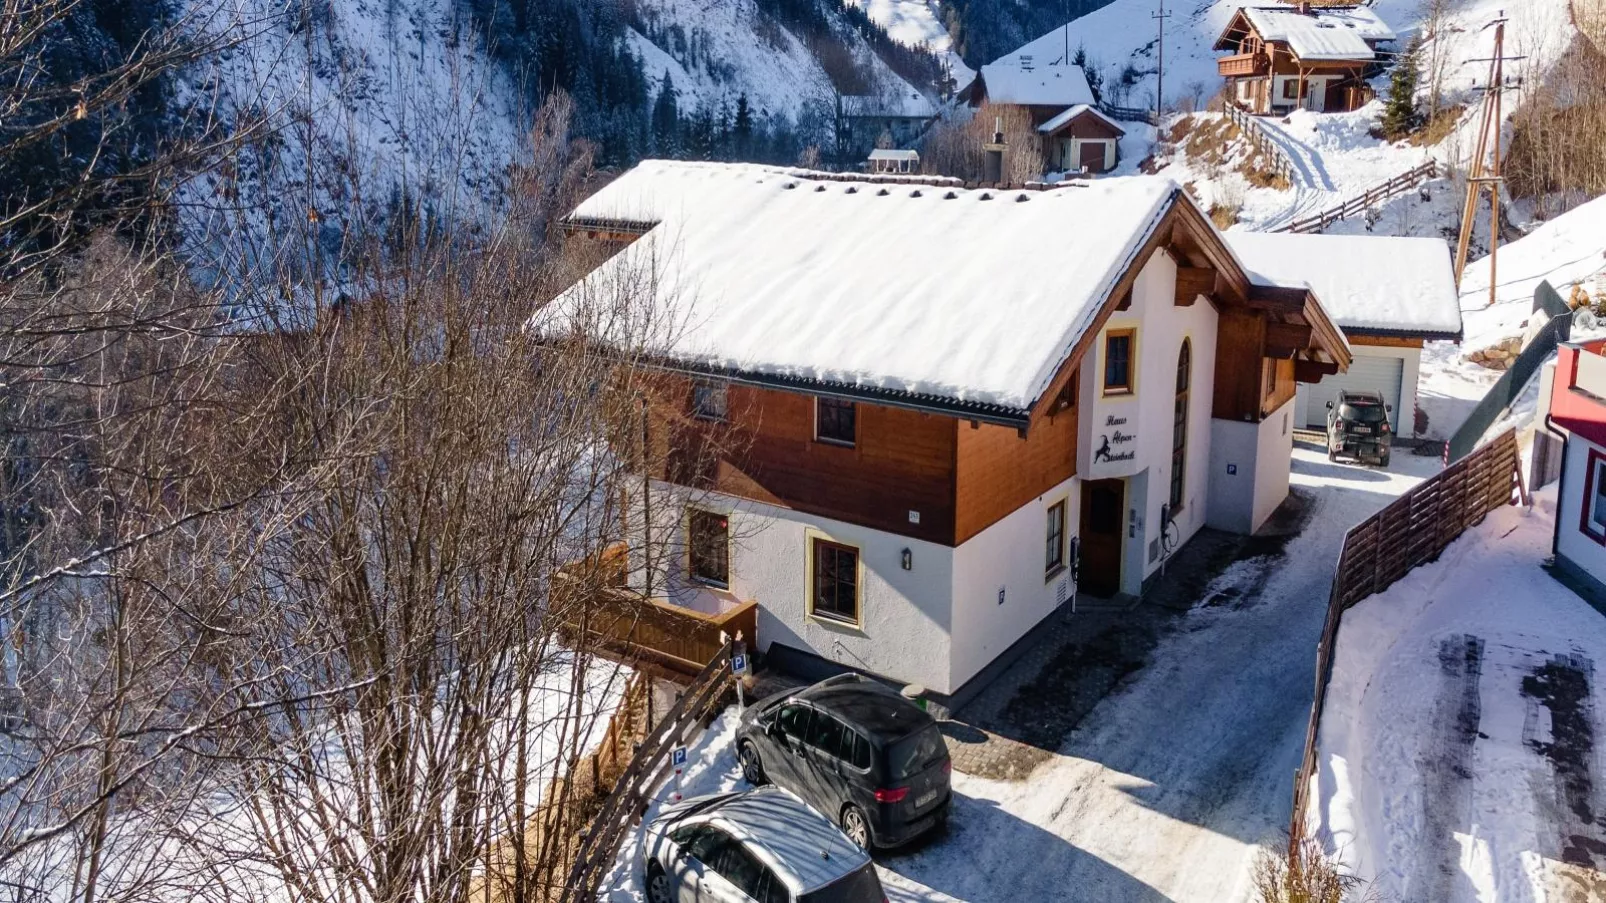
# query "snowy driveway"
(1165, 789)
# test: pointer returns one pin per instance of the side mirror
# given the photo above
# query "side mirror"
(1329, 405)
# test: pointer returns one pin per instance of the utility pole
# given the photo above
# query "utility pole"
(1478, 175)
(1159, 73)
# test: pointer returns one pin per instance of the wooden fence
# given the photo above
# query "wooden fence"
(1256, 133)
(599, 846)
(1364, 201)
(1129, 114)
(1380, 550)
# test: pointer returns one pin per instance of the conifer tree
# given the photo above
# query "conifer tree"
(1399, 110)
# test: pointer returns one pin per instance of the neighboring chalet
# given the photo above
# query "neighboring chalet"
(1577, 405)
(1287, 57)
(1075, 135)
(1389, 295)
(929, 451)
(899, 118)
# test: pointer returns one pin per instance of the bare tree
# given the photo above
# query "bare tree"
(957, 148)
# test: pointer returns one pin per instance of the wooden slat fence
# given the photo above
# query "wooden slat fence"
(1364, 201)
(1411, 531)
(1252, 129)
(1129, 114)
(599, 847)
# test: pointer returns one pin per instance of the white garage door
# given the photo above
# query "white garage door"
(1372, 374)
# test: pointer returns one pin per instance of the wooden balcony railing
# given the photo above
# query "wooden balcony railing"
(604, 616)
(1241, 64)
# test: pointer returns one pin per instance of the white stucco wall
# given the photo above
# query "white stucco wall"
(1146, 414)
(906, 615)
(1571, 542)
(1404, 417)
(1008, 556)
(1249, 468)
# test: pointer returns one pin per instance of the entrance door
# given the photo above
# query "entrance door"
(1103, 504)
(1092, 156)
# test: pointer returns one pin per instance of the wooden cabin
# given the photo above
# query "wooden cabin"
(1076, 136)
(1299, 56)
(908, 460)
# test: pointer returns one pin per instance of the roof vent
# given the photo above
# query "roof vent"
(986, 195)
(789, 185)
(915, 193)
(949, 196)
(1021, 198)
(852, 189)
(882, 193)
(818, 189)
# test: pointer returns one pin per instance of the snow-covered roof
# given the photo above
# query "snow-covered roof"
(1021, 79)
(1366, 283)
(900, 156)
(1323, 33)
(972, 296)
(1058, 122)
(912, 105)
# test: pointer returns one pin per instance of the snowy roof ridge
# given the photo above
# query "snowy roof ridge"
(963, 295)
(1049, 127)
(1017, 79)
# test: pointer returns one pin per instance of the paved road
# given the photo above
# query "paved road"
(1164, 790)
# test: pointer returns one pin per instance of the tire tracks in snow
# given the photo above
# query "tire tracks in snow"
(1446, 765)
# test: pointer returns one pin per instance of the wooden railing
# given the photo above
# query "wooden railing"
(1412, 531)
(1241, 64)
(611, 618)
(1281, 164)
(1364, 201)
(1128, 114)
(599, 847)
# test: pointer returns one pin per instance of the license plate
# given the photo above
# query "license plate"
(1362, 431)
(925, 800)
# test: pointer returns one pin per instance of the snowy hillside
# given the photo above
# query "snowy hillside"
(916, 22)
(715, 51)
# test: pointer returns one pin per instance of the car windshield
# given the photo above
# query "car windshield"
(861, 886)
(1364, 412)
(914, 753)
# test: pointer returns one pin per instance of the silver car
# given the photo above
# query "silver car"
(761, 846)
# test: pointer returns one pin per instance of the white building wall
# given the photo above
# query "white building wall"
(1572, 542)
(1249, 468)
(1404, 417)
(906, 615)
(1009, 557)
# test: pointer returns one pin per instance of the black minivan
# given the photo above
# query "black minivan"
(856, 751)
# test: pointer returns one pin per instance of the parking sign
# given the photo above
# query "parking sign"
(677, 758)
(738, 664)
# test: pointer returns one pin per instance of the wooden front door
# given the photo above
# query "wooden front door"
(1103, 507)
(1092, 156)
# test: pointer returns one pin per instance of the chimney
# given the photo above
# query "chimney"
(993, 155)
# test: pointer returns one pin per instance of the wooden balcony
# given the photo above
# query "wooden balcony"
(1242, 64)
(604, 616)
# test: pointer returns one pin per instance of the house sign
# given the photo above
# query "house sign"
(1114, 444)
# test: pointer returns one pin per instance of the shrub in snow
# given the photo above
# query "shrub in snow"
(1304, 874)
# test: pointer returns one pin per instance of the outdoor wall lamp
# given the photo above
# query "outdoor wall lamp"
(908, 560)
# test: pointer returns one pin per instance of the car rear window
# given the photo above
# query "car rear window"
(1365, 413)
(915, 753)
(861, 886)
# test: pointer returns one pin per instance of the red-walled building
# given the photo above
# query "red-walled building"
(1578, 406)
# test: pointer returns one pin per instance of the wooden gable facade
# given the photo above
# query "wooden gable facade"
(1266, 76)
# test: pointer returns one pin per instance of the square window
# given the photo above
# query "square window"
(1054, 551)
(1291, 89)
(1118, 361)
(835, 421)
(1597, 499)
(835, 590)
(708, 540)
(710, 401)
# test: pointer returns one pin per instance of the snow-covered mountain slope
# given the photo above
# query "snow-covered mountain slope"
(916, 22)
(715, 50)
(1565, 251)
(346, 102)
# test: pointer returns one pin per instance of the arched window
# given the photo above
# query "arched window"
(1179, 426)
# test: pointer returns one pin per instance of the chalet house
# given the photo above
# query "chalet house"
(900, 118)
(1389, 295)
(926, 449)
(1578, 407)
(1075, 134)
(1287, 57)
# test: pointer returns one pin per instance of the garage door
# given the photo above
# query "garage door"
(1372, 374)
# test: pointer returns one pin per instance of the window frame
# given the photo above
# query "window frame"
(1594, 488)
(1130, 334)
(1179, 428)
(692, 514)
(852, 408)
(707, 388)
(818, 542)
(1055, 566)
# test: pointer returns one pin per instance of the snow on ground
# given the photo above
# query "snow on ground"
(1167, 788)
(1458, 726)
(716, 51)
(917, 22)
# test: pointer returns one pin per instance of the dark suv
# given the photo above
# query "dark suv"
(1358, 426)
(856, 751)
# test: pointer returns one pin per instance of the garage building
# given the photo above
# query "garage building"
(1389, 295)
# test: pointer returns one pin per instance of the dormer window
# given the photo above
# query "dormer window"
(836, 422)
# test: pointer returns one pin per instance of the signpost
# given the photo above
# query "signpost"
(677, 758)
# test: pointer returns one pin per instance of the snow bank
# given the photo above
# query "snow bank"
(970, 295)
(1432, 780)
(1564, 251)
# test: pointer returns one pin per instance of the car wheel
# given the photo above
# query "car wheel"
(1332, 455)
(658, 890)
(752, 765)
(856, 826)
(1383, 460)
